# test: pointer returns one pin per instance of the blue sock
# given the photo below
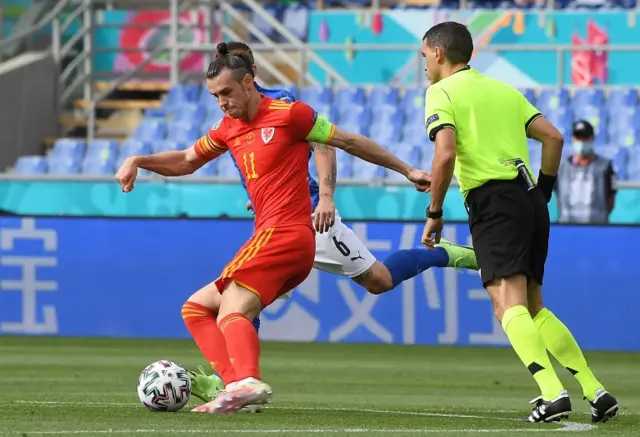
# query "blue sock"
(405, 264)
(256, 323)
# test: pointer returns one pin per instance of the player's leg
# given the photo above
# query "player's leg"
(200, 314)
(502, 223)
(563, 346)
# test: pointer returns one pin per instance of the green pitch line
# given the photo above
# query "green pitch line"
(56, 386)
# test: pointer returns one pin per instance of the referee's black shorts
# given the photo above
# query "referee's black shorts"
(510, 230)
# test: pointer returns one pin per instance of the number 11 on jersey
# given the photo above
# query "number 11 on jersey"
(250, 162)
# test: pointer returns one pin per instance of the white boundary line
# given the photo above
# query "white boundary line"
(564, 426)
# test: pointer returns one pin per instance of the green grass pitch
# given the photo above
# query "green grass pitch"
(76, 387)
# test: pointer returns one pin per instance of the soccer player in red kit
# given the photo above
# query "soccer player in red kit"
(268, 138)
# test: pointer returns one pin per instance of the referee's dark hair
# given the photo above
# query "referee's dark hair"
(452, 37)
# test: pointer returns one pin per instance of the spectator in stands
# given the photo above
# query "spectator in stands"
(586, 181)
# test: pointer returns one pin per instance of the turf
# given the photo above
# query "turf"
(61, 386)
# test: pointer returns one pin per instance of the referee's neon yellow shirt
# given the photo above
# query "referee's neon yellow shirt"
(491, 120)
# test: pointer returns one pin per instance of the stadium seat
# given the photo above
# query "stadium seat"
(383, 95)
(31, 165)
(625, 137)
(316, 95)
(97, 167)
(409, 153)
(633, 166)
(587, 97)
(102, 150)
(225, 168)
(353, 114)
(385, 113)
(183, 132)
(327, 111)
(349, 95)
(619, 157)
(621, 100)
(68, 148)
(553, 100)
(355, 128)
(384, 134)
(415, 133)
(189, 112)
(343, 164)
(412, 104)
(262, 25)
(427, 157)
(167, 146)
(63, 165)
(181, 94)
(132, 147)
(296, 19)
(150, 130)
(363, 170)
(206, 171)
(529, 94)
(154, 113)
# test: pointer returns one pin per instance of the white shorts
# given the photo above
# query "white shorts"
(340, 252)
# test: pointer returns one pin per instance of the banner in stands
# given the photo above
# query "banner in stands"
(489, 27)
(213, 200)
(129, 278)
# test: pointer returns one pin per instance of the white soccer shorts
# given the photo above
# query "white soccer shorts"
(340, 252)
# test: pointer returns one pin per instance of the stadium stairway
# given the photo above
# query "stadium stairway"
(117, 115)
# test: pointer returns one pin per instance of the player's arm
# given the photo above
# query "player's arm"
(325, 157)
(318, 129)
(540, 129)
(441, 128)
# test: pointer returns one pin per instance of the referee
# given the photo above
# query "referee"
(480, 127)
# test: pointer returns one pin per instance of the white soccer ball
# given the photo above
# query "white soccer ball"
(164, 386)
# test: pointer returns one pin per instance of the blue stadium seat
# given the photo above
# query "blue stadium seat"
(621, 99)
(386, 113)
(103, 150)
(561, 120)
(181, 94)
(353, 114)
(415, 133)
(31, 165)
(189, 112)
(63, 165)
(383, 95)
(327, 111)
(344, 162)
(384, 134)
(409, 153)
(529, 94)
(97, 166)
(296, 19)
(315, 95)
(69, 148)
(262, 25)
(412, 104)
(206, 171)
(154, 113)
(132, 147)
(225, 167)
(183, 132)
(625, 137)
(355, 128)
(553, 100)
(427, 157)
(150, 130)
(167, 146)
(633, 166)
(364, 170)
(349, 95)
(587, 97)
(619, 157)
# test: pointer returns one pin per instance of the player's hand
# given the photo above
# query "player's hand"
(432, 233)
(250, 207)
(325, 214)
(421, 179)
(127, 174)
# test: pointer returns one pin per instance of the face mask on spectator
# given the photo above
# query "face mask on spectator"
(582, 148)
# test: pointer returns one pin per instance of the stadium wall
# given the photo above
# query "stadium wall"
(129, 277)
(205, 199)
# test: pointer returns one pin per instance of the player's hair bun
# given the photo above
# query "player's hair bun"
(222, 49)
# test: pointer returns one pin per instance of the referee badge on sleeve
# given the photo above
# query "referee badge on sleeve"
(431, 119)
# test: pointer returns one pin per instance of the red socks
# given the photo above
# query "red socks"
(201, 323)
(243, 345)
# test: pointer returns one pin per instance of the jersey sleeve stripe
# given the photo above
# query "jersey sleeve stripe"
(215, 146)
(531, 120)
(433, 132)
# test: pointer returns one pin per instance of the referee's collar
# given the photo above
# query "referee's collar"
(465, 68)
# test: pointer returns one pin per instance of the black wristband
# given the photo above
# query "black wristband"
(434, 214)
(546, 184)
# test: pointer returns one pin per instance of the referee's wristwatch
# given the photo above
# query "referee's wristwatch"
(434, 214)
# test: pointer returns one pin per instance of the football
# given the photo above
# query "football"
(164, 386)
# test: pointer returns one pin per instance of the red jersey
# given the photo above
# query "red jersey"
(273, 154)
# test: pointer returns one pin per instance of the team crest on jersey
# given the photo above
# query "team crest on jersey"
(268, 133)
(216, 125)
